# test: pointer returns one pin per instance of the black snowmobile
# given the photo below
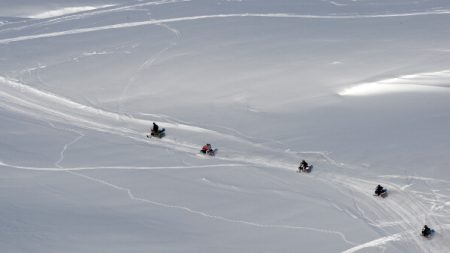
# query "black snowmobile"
(427, 232)
(155, 132)
(381, 192)
(304, 167)
(159, 134)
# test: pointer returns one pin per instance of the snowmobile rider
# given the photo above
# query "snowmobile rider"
(207, 148)
(379, 190)
(303, 164)
(426, 231)
(155, 128)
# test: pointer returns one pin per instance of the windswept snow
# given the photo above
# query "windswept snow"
(423, 82)
(359, 89)
(65, 11)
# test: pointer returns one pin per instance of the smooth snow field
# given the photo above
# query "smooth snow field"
(358, 88)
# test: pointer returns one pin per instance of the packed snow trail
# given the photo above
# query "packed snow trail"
(407, 214)
(104, 10)
(375, 211)
(181, 19)
(38, 97)
(402, 209)
(28, 100)
(187, 209)
(33, 99)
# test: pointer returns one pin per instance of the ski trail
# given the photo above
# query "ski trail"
(217, 16)
(173, 30)
(228, 187)
(27, 96)
(28, 100)
(86, 168)
(99, 11)
(248, 137)
(235, 132)
(186, 209)
(439, 206)
(130, 194)
(30, 97)
(326, 158)
(90, 122)
(65, 147)
(407, 212)
(350, 182)
(210, 216)
(16, 103)
(415, 178)
(164, 205)
(375, 243)
(57, 164)
(148, 63)
(437, 200)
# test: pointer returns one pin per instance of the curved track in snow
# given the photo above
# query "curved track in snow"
(403, 210)
(28, 100)
(85, 14)
(202, 17)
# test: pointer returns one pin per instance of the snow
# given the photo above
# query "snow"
(422, 82)
(67, 10)
(359, 89)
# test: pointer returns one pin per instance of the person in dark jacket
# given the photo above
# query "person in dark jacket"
(426, 231)
(155, 128)
(379, 190)
(303, 165)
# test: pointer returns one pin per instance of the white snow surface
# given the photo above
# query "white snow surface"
(360, 89)
(65, 11)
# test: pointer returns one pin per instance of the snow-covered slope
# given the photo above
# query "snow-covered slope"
(360, 89)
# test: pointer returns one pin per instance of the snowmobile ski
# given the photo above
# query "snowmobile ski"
(211, 152)
(429, 235)
(383, 194)
(308, 169)
(161, 133)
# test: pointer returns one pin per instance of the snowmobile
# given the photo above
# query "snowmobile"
(381, 192)
(211, 152)
(207, 150)
(161, 133)
(427, 232)
(305, 169)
